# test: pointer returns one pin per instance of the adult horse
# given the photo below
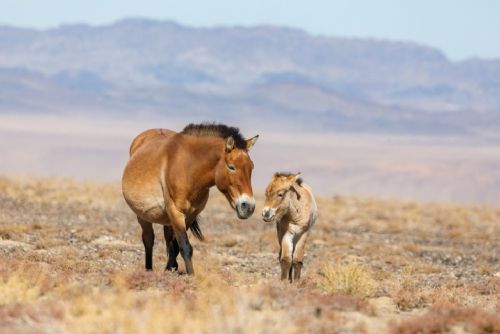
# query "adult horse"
(168, 176)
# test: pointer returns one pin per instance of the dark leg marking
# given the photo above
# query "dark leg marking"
(172, 248)
(297, 268)
(148, 239)
(186, 251)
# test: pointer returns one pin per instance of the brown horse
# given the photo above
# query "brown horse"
(168, 177)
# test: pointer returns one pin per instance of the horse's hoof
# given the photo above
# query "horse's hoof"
(172, 269)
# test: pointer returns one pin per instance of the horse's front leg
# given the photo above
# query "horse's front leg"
(178, 222)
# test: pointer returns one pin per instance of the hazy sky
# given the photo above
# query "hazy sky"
(461, 28)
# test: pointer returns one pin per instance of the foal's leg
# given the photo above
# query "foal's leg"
(298, 255)
(286, 255)
(148, 239)
(172, 248)
(280, 231)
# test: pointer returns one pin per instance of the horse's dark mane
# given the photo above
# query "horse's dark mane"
(298, 181)
(216, 130)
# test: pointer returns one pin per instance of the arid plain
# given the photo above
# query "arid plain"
(72, 261)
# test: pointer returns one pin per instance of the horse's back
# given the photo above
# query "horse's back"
(147, 136)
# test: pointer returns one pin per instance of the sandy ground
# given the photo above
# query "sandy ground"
(71, 260)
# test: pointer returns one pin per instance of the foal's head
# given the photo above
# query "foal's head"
(279, 193)
(233, 176)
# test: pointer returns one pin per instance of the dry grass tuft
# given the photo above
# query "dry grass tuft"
(23, 282)
(350, 278)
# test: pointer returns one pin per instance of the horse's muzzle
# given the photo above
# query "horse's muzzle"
(245, 206)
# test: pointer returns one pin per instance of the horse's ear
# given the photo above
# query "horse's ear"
(229, 144)
(251, 142)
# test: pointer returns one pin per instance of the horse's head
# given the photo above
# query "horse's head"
(278, 195)
(233, 176)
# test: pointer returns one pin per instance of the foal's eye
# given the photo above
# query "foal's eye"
(231, 168)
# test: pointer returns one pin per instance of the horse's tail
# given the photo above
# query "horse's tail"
(196, 230)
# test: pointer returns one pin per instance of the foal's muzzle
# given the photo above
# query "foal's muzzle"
(245, 206)
(268, 214)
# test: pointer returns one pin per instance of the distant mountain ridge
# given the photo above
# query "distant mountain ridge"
(282, 75)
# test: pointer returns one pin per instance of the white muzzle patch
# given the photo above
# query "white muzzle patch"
(245, 206)
(268, 213)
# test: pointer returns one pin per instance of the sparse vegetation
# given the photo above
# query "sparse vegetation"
(346, 279)
(71, 260)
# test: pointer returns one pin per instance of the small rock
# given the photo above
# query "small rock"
(256, 303)
(317, 312)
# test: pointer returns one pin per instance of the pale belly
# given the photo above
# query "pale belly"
(147, 202)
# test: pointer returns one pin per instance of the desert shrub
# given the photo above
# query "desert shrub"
(351, 278)
(22, 283)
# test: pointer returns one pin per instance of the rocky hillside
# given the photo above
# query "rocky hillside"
(283, 76)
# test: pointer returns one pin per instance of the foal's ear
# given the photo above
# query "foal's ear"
(229, 144)
(251, 142)
(293, 178)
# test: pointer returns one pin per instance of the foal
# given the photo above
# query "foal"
(290, 203)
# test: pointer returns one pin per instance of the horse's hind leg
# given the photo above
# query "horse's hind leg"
(172, 248)
(148, 238)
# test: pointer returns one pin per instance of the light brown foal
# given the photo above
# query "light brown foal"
(168, 176)
(290, 203)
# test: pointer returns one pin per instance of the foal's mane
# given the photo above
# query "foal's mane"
(216, 130)
(298, 181)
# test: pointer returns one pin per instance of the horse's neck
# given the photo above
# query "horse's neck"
(203, 172)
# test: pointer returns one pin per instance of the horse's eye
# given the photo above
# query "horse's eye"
(232, 168)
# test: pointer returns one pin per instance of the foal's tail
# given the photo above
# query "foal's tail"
(196, 230)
